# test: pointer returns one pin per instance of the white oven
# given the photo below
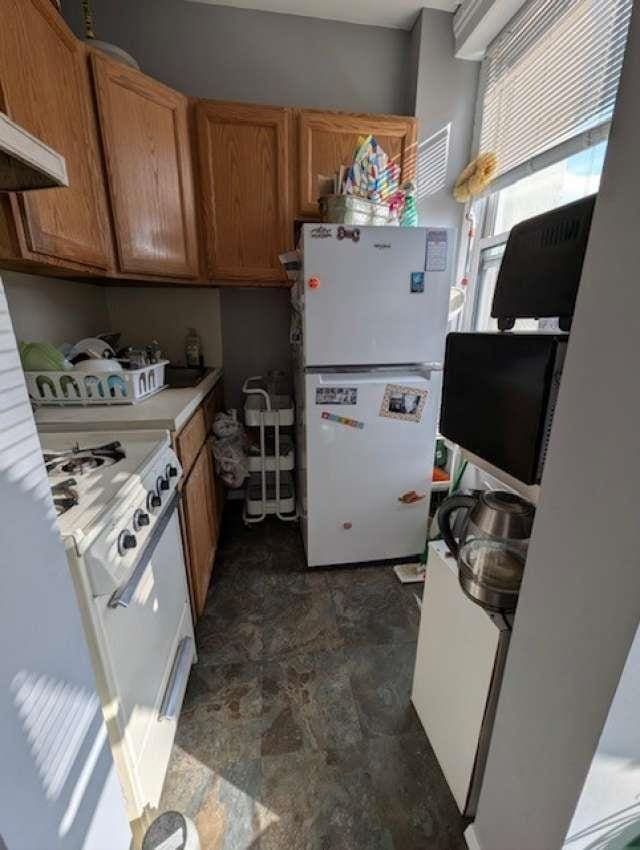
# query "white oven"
(125, 552)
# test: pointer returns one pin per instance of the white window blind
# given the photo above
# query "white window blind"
(551, 79)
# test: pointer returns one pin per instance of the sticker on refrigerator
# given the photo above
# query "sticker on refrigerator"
(417, 282)
(437, 250)
(336, 395)
(321, 232)
(404, 403)
(341, 420)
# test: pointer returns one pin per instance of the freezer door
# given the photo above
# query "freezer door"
(379, 298)
(360, 464)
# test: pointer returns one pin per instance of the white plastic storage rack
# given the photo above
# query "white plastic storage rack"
(270, 489)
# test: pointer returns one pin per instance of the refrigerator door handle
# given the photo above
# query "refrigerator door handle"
(347, 379)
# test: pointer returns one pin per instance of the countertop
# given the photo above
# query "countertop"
(170, 409)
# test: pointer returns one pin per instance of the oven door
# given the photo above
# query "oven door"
(147, 649)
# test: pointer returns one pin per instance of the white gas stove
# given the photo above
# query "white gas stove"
(116, 496)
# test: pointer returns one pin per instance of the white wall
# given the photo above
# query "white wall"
(579, 608)
(59, 787)
(55, 310)
(608, 812)
(143, 313)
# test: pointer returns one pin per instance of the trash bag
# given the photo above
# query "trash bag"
(228, 446)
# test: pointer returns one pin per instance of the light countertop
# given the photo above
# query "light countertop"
(170, 409)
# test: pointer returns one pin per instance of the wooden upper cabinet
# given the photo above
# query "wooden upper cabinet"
(145, 140)
(327, 140)
(244, 174)
(45, 87)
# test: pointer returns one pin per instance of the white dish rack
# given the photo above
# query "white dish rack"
(270, 489)
(126, 386)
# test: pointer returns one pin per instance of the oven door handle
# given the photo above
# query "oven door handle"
(177, 678)
(122, 597)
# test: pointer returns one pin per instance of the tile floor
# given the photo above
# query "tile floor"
(297, 731)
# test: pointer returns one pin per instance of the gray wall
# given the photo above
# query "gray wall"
(255, 336)
(445, 99)
(165, 313)
(578, 609)
(236, 54)
(55, 310)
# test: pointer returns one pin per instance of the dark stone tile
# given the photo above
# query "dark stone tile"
(412, 796)
(298, 622)
(221, 717)
(297, 731)
(348, 577)
(381, 678)
(308, 704)
(231, 815)
(231, 628)
(410, 594)
(302, 581)
(186, 784)
(322, 803)
(370, 609)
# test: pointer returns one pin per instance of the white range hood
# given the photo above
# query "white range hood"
(26, 163)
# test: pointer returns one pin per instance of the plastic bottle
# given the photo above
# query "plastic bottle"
(193, 348)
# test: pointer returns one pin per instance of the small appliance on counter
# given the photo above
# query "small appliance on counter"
(492, 545)
(500, 389)
(499, 396)
(540, 272)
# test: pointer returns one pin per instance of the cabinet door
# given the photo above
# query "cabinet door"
(327, 140)
(201, 526)
(44, 86)
(145, 139)
(244, 172)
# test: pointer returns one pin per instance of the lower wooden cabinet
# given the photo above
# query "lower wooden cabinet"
(201, 525)
(202, 497)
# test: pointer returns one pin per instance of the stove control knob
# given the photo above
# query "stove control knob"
(162, 484)
(126, 540)
(171, 471)
(140, 518)
(153, 500)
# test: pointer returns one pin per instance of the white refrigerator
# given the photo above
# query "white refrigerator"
(373, 307)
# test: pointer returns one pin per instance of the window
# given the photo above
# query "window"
(550, 77)
(548, 88)
(565, 181)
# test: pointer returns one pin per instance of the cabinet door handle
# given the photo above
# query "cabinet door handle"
(177, 677)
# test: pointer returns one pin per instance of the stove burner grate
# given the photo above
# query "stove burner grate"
(64, 495)
(77, 461)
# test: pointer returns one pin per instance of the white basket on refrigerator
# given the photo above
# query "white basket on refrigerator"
(126, 386)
